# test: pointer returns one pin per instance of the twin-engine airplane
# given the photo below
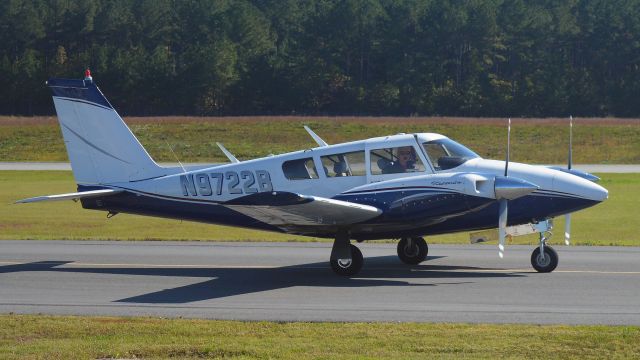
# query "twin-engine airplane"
(400, 186)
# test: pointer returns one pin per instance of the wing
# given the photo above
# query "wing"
(284, 209)
(71, 196)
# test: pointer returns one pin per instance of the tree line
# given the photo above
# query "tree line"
(331, 57)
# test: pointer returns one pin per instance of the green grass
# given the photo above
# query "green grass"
(613, 222)
(67, 219)
(47, 337)
(542, 141)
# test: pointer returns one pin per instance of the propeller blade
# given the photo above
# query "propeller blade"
(504, 207)
(567, 218)
(502, 226)
(506, 163)
(567, 229)
(570, 161)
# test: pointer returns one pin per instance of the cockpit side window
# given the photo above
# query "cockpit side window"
(396, 160)
(345, 164)
(300, 169)
(447, 154)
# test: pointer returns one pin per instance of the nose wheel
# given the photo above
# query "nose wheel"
(412, 250)
(544, 261)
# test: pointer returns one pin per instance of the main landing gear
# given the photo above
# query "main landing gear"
(412, 250)
(544, 258)
(346, 259)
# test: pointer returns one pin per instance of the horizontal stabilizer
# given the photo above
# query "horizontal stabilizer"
(289, 209)
(71, 196)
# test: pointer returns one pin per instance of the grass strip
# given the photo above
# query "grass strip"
(72, 337)
(614, 222)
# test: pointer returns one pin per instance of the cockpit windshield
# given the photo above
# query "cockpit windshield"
(446, 154)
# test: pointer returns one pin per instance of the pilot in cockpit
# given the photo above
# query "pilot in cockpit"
(405, 160)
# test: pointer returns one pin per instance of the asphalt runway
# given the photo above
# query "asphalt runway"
(293, 282)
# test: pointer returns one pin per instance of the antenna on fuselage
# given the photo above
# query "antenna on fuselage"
(174, 155)
(227, 153)
(315, 137)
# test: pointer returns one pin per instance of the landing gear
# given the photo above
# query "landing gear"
(412, 250)
(544, 258)
(346, 259)
(348, 267)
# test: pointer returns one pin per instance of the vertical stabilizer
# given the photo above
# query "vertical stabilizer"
(101, 148)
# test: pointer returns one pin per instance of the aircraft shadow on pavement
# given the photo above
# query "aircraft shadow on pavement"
(224, 282)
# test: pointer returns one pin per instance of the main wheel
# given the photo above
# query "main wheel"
(413, 252)
(546, 263)
(349, 267)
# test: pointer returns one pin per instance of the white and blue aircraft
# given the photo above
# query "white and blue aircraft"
(400, 186)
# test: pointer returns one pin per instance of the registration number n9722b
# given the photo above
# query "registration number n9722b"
(228, 182)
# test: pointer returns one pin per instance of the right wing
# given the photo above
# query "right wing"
(285, 209)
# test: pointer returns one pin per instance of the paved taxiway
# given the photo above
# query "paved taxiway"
(292, 281)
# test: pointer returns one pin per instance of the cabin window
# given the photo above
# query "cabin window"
(447, 154)
(403, 159)
(345, 164)
(300, 169)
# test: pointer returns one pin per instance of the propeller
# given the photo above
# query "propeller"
(567, 217)
(503, 209)
(508, 188)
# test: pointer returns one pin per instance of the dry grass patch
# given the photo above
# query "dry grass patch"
(599, 140)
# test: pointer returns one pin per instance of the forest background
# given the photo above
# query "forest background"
(328, 57)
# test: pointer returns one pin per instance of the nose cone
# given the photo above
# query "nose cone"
(580, 187)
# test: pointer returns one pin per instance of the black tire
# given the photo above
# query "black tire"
(351, 268)
(414, 254)
(548, 264)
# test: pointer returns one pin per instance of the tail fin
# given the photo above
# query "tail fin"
(101, 147)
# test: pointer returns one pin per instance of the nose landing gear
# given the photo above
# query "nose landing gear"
(544, 258)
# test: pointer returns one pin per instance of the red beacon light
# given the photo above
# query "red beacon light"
(87, 75)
